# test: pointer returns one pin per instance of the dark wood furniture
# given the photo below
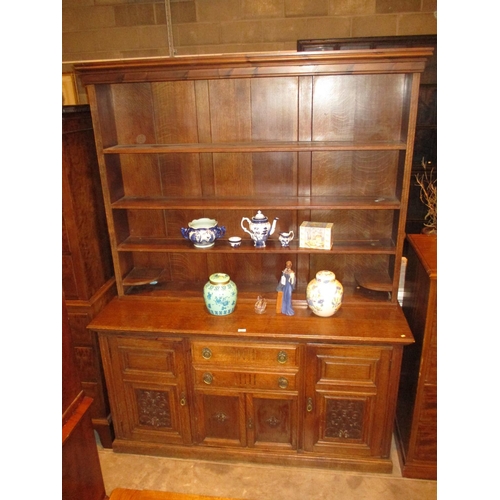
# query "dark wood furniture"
(87, 271)
(425, 146)
(296, 390)
(416, 417)
(319, 137)
(81, 470)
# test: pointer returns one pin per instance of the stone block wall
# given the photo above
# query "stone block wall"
(116, 29)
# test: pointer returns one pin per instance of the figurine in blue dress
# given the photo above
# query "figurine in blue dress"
(285, 288)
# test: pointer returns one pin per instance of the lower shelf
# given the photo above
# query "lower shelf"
(370, 288)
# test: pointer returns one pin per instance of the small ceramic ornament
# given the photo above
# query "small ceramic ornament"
(286, 286)
(259, 228)
(286, 238)
(203, 232)
(260, 305)
(220, 294)
(324, 294)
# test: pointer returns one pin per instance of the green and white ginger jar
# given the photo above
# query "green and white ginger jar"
(324, 294)
(220, 294)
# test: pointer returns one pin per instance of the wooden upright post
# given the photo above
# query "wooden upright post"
(279, 302)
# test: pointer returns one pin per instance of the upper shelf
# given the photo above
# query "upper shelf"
(255, 147)
(240, 203)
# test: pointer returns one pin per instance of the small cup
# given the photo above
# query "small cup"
(235, 241)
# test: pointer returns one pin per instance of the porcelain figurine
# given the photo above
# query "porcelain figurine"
(259, 228)
(285, 287)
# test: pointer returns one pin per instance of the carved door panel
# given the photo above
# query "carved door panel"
(220, 419)
(272, 421)
(150, 401)
(346, 400)
(237, 419)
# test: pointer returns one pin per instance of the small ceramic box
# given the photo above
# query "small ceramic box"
(317, 235)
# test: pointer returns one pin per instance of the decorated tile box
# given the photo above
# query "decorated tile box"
(317, 235)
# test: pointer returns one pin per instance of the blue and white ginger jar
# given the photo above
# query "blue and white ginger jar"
(324, 294)
(220, 294)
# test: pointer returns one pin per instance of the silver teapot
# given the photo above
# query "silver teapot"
(259, 228)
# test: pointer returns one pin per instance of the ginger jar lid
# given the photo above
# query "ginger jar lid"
(325, 276)
(219, 279)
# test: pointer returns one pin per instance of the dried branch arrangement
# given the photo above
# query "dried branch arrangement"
(427, 181)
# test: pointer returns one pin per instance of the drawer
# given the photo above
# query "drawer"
(342, 365)
(245, 354)
(144, 357)
(205, 378)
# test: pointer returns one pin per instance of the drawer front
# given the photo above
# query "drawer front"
(244, 354)
(217, 378)
(354, 366)
(148, 358)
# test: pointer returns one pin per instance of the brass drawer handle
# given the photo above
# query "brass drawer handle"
(183, 400)
(309, 406)
(206, 353)
(282, 357)
(282, 383)
(208, 378)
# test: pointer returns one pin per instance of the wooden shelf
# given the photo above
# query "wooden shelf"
(132, 244)
(247, 203)
(256, 147)
(378, 282)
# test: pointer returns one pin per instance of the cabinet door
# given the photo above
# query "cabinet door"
(220, 419)
(149, 396)
(272, 421)
(259, 420)
(346, 400)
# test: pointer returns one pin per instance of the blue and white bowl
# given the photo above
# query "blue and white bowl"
(203, 232)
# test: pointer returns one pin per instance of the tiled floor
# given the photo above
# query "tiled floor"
(257, 482)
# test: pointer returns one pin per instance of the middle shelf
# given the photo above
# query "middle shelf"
(147, 244)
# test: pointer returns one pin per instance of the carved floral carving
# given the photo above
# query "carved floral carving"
(344, 418)
(154, 408)
(220, 417)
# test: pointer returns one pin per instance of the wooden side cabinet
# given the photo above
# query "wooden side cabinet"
(81, 471)
(416, 417)
(87, 268)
